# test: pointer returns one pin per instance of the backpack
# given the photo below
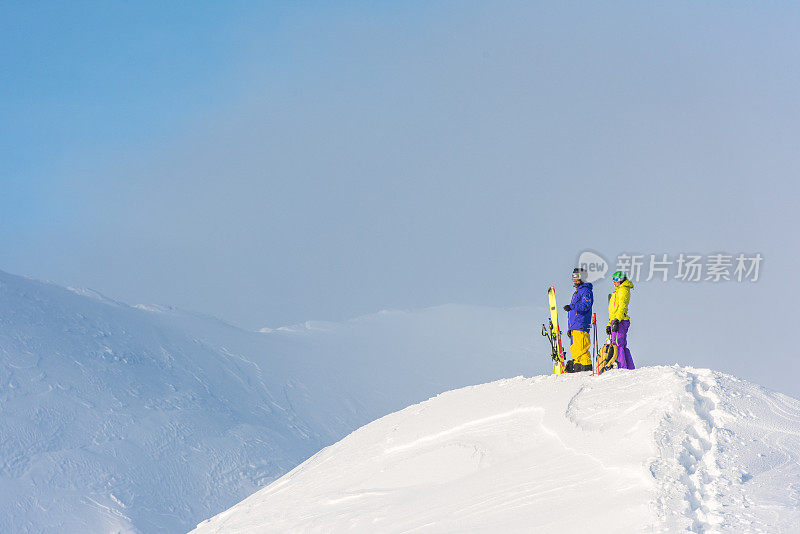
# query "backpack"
(607, 358)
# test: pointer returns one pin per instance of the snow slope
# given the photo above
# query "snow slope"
(116, 418)
(659, 449)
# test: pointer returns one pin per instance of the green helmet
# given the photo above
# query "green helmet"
(618, 276)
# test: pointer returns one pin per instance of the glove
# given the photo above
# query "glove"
(608, 330)
(615, 326)
(567, 308)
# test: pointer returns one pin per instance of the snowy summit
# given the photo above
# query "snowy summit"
(659, 449)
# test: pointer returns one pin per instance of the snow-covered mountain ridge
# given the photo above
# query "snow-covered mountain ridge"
(658, 449)
(117, 418)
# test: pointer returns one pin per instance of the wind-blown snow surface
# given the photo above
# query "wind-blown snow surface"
(142, 419)
(659, 449)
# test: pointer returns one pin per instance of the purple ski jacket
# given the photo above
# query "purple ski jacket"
(580, 314)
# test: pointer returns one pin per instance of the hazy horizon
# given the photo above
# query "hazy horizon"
(277, 163)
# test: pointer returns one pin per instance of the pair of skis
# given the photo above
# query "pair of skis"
(553, 334)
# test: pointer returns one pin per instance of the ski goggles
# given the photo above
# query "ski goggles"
(616, 278)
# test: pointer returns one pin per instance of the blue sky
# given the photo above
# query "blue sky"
(280, 162)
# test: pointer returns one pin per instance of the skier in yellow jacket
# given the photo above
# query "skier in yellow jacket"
(618, 320)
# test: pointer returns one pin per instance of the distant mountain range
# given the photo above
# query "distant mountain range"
(118, 418)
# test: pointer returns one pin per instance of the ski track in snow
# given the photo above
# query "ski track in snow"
(707, 447)
(661, 449)
(689, 466)
(439, 436)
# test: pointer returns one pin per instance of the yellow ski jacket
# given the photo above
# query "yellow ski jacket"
(618, 304)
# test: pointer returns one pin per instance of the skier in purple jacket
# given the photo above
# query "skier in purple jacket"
(579, 317)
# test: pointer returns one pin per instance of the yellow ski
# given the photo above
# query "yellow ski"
(555, 334)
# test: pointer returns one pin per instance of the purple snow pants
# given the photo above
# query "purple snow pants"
(620, 339)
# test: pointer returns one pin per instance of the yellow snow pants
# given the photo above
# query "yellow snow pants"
(579, 350)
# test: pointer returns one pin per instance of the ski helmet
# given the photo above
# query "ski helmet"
(618, 276)
(578, 275)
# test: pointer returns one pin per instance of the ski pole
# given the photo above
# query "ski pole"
(594, 343)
